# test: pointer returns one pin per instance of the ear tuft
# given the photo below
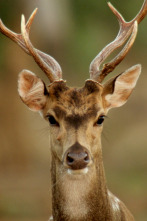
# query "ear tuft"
(31, 90)
(117, 91)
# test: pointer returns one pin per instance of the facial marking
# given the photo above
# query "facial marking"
(57, 88)
(75, 105)
(60, 112)
(78, 119)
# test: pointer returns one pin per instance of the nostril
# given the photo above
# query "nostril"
(86, 159)
(77, 160)
(70, 160)
(77, 157)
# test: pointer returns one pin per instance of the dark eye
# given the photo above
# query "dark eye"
(100, 120)
(52, 120)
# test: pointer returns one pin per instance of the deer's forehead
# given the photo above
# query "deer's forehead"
(76, 110)
(78, 103)
(59, 92)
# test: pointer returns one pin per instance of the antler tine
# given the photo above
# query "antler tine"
(18, 37)
(142, 13)
(126, 28)
(110, 66)
(47, 63)
(30, 20)
(49, 72)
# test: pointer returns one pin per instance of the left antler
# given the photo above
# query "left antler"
(47, 63)
(127, 29)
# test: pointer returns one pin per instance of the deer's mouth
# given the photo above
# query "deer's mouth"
(78, 172)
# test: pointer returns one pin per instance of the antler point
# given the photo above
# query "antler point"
(35, 11)
(22, 18)
(1, 23)
(109, 4)
(22, 25)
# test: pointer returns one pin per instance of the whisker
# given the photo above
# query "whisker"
(44, 131)
(104, 134)
(57, 182)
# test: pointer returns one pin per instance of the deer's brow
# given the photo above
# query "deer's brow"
(59, 111)
(76, 120)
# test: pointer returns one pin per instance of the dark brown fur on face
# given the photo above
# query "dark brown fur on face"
(75, 104)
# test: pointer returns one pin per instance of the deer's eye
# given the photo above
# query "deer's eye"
(100, 120)
(52, 120)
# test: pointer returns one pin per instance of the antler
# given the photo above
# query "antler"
(47, 63)
(126, 29)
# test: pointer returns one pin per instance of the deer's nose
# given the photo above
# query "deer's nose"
(77, 157)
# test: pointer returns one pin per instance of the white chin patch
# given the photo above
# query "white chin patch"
(77, 172)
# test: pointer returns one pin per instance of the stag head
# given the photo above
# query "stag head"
(76, 115)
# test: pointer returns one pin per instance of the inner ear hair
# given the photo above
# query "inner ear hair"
(32, 90)
(117, 90)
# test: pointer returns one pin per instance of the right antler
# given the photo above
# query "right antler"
(47, 63)
(126, 29)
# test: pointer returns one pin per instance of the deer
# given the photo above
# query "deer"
(76, 116)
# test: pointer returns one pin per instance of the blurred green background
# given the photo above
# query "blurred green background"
(72, 31)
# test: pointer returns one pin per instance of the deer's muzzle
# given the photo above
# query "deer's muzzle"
(77, 157)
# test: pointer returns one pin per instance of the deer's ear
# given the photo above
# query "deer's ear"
(117, 90)
(32, 90)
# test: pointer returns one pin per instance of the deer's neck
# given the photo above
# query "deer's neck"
(80, 197)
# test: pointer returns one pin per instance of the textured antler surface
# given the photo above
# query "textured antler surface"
(47, 63)
(127, 29)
